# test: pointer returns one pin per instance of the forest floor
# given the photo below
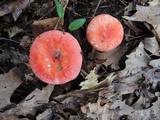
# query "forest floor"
(122, 84)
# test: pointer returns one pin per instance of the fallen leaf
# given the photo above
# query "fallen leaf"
(91, 109)
(4, 55)
(154, 2)
(73, 117)
(124, 87)
(46, 115)
(34, 99)
(151, 45)
(155, 63)
(25, 41)
(119, 108)
(8, 84)
(14, 56)
(136, 61)
(152, 76)
(11, 117)
(41, 26)
(18, 58)
(15, 7)
(12, 31)
(156, 30)
(150, 14)
(112, 57)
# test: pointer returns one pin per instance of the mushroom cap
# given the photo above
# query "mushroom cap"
(104, 32)
(55, 57)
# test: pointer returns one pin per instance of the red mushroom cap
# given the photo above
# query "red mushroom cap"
(55, 57)
(104, 32)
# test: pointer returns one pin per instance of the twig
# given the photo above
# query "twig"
(97, 8)
(9, 40)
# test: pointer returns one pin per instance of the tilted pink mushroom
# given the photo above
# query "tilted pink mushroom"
(104, 32)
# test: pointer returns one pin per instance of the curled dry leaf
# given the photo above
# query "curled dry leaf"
(151, 45)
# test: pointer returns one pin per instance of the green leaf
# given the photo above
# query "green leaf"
(76, 24)
(59, 9)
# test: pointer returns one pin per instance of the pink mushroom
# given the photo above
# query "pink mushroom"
(104, 32)
(55, 57)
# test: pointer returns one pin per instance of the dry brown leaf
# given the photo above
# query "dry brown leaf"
(150, 14)
(95, 110)
(14, 56)
(135, 62)
(25, 41)
(11, 117)
(156, 30)
(113, 57)
(18, 58)
(151, 45)
(154, 2)
(127, 87)
(155, 63)
(132, 26)
(73, 117)
(4, 55)
(41, 26)
(146, 13)
(153, 76)
(151, 113)
(47, 114)
(14, 7)
(119, 108)
(12, 31)
(34, 99)
(91, 109)
(8, 83)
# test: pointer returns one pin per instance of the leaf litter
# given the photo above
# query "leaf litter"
(119, 84)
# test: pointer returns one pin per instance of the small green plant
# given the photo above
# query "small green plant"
(76, 24)
(59, 9)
